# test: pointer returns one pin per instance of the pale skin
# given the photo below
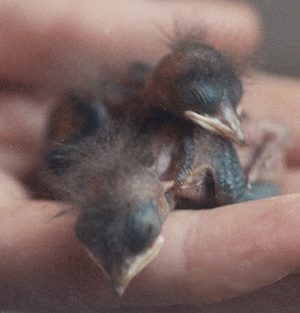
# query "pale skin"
(208, 256)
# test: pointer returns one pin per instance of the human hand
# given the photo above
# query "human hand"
(208, 255)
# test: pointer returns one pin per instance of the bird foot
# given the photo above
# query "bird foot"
(262, 158)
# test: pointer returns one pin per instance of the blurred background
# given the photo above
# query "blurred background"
(280, 49)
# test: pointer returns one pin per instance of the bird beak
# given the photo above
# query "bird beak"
(123, 272)
(226, 123)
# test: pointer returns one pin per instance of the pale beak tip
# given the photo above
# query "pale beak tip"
(119, 290)
(240, 138)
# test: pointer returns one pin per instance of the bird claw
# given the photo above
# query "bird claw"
(263, 156)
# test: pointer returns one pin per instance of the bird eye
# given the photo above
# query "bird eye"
(202, 95)
(143, 226)
(60, 158)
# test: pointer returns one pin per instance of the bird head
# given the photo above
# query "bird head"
(199, 83)
(121, 228)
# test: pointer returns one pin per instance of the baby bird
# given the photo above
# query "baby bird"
(115, 175)
(197, 82)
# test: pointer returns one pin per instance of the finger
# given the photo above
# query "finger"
(208, 255)
(231, 251)
(62, 42)
(23, 121)
(291, 181)
(278, 98)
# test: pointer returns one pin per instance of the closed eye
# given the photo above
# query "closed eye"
(203, 96)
